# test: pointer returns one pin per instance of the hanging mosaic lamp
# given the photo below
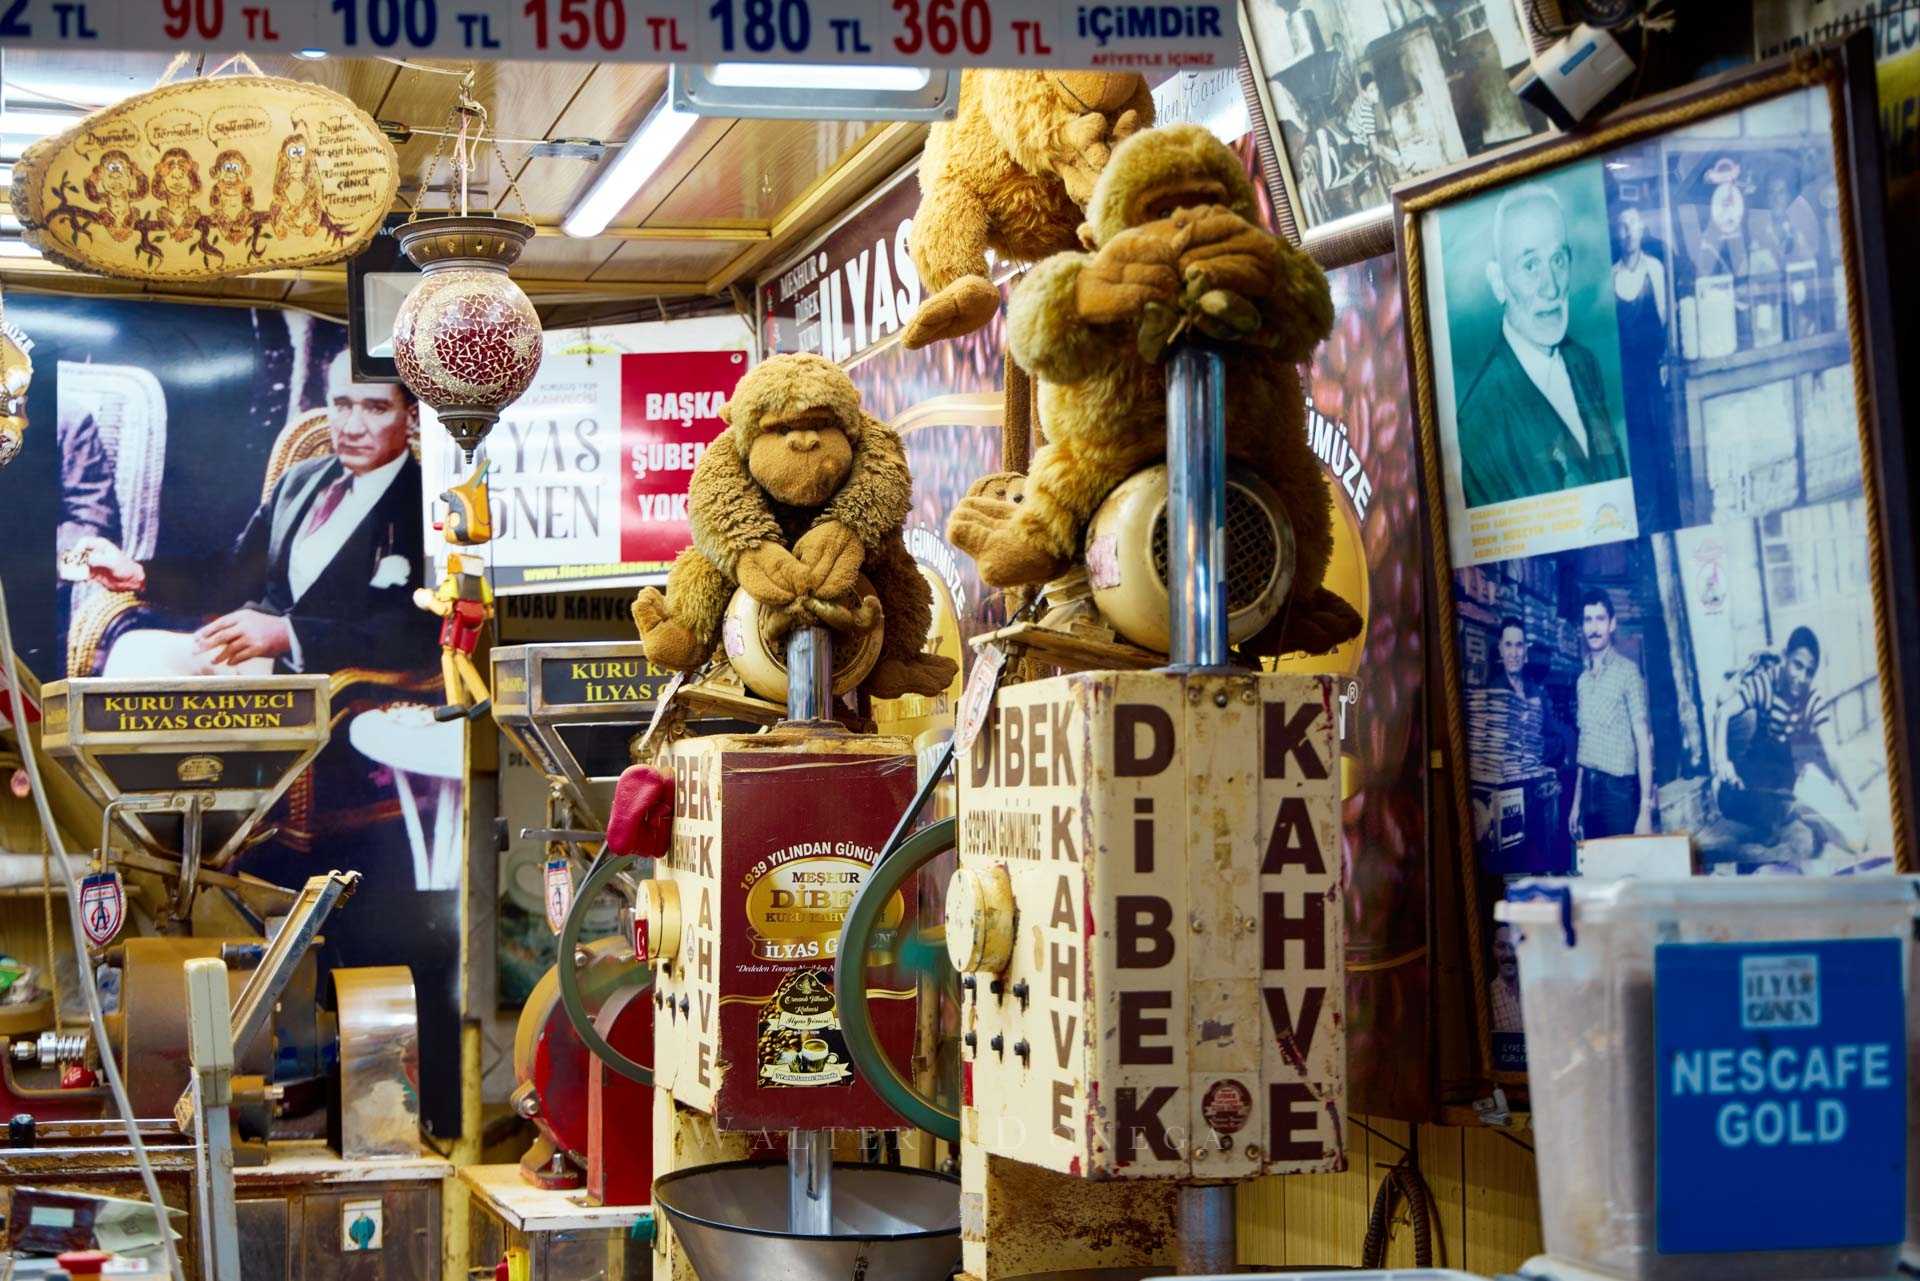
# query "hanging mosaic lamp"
(466, 340)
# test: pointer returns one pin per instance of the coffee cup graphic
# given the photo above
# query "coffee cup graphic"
(813, 1054)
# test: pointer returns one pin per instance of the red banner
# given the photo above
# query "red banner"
(669, 413)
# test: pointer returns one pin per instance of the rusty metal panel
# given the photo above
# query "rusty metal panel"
(1302, 927)
(265, 1246)
(1172, 848)
(1024, 810)
(1223, 1028)
(1138, 948)
(1017, 1220)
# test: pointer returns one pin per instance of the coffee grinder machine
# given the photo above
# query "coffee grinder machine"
(772, 835)
(1147, 923)
(577, 712)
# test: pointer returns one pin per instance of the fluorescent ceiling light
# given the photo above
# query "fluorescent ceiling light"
(17, 249)
(638, 159)
(311, 55)
(813, 75)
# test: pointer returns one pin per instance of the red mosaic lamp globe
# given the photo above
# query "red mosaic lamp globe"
(466, 340)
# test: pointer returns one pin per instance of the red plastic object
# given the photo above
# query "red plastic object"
(83, 1265)
(642, 818)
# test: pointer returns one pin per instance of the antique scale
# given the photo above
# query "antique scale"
(1147, 923)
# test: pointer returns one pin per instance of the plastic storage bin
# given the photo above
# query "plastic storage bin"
(1589, 1013)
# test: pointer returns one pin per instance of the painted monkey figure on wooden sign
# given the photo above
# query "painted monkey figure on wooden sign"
(1174, 231)
(804, 492)
(1011, 172)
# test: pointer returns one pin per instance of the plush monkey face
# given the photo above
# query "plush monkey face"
(1102, 91)
(1156, 172)
(802, 459)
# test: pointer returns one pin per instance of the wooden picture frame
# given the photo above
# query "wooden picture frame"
(1801, 319)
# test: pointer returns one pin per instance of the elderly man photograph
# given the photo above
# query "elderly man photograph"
(1534, 419)
(320, 574)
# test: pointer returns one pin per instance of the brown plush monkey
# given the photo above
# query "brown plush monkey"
(803, 492)
(1011, 172)
(1175, 229)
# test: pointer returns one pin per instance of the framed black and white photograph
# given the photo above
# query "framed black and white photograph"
(1662, 459)
(1362, 94)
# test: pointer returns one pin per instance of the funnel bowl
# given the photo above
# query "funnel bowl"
(889, 1222)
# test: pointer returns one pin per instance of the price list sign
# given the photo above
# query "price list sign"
(1195, 36)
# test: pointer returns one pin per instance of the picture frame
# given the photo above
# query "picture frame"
(1660, 513)
(1351, 98)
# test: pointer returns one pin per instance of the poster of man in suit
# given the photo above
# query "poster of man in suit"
(212, 493)
(1528, 369)
(320, 575)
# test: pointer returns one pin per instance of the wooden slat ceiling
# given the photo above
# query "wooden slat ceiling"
(733, 197)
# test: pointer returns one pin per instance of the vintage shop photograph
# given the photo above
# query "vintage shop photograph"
(1369, 93)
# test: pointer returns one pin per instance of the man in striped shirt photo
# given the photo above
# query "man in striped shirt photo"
(1769, 723)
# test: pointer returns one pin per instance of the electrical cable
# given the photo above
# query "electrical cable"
(1402, 1181)
(88, 986)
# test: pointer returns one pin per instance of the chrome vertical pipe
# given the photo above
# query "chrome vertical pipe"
(810, 1182)
(809, 674)
(1206, 1241)
(1197, 507)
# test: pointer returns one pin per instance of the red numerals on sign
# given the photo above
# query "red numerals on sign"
(204, 18)
(942, 26)
(578, 23)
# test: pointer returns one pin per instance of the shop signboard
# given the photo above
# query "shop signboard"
(1195, 34)
(588, 471)
(1781, 1095)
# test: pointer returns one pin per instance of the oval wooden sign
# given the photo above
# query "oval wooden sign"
(209, 178)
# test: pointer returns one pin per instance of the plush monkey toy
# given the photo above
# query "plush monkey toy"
(1010, 172)
(1173, 223)
(802, 493)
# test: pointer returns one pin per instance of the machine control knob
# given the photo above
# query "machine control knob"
(980, 920)
(656, 921)
(998, 1044)
(20, 1131)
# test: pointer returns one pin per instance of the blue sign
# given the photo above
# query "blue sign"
(1781, 1104)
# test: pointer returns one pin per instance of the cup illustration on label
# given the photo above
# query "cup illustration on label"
(800, 1042)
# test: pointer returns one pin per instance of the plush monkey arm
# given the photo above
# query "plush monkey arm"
(1045, 331)
(873, 500)
(1299, 307)
(727, 509)
(734, 529)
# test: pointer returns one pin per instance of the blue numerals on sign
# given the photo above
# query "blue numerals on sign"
(387, 22)
(764, 25)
